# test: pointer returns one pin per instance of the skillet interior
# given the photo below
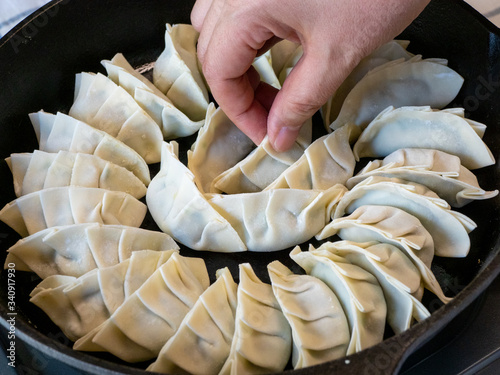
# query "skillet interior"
(40, 57)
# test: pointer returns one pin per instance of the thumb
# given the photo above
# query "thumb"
(310, 84)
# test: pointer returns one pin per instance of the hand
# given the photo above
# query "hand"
(335, 35)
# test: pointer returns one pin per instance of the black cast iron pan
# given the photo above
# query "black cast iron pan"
(38, 61)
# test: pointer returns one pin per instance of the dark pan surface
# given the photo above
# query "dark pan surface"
(38, 61)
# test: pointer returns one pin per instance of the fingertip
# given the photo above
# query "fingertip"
(284, 139)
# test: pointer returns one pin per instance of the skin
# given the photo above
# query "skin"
(335, 36)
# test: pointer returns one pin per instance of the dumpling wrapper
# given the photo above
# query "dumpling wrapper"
(261, 167)
(42, 170)
(422, 127)
(393, 226)
(327, 161)
(319, 325)
(58, 206)
(393, 50)
(177, 74)
(61, 132)
(263, 64)
(262, 341)
(449, 229)
(277, 219)
(74, 250)
(399, 83)
(399, 278)
(437, 170)
(106, 106)
(78, 305)
(281, 53)
(139, 328)
(173, 122)
(219, 146)
(202, 343)
(358, 291)
(179, 209)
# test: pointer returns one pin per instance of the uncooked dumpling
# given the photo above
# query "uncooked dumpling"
(52, 207)
(61, 132)
(176, 72)
(73, 250)
(449, 229)
(319, 325)
(139, 328)
(78, 305)
(42, 170)
(422, 127)
(202, 343)
(219, 146)
(262, 340)
(398, 83)
(263, 64)
(106, 106)
(358, 291)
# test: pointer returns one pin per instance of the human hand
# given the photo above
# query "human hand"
(335, 36)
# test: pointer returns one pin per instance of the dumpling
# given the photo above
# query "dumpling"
(188, 218)
(61, 132)
(172, 121)
(71, 205)
(393, 50)
(73, 250)
(78, 305)
(358, 291)
(422, 127)
(42, 170)
(263, 64)
(219, 146)
(262, 340)
(106, 106)
(202, 343)
(143, 323)
(290, 63)
(327, 161)
(393, 226)
(449, 229)
(439, 171)
(319, 325)
(399, 278)
(276, 219)
(398, 83)
(281, 53)
(176, 72)
(262, 166)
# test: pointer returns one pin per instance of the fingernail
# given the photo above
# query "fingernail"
(285, 138)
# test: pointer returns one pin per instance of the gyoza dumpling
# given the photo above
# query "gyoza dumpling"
(139, 328)
(439, 171)
(393, 226)
(219, 146)
(262, 166)
(399, 278)
(176, 72)
(78, 305)
(290, 63)
(43, 170)
(422, 127)
(319, 325)
(358, 291)
(262, 341)
(61, 132)
(393, 50)
(263, 64)
(71, 205)
(276, 219)
(398, 83)
(74, 250)
(281, 53)
(449, 229)
(203, 341)
(327, 161)
(106, 106)
(172, 121)
(188, 218)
